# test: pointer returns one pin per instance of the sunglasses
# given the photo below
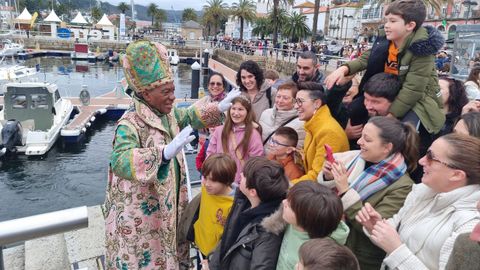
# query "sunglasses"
(430, 157)
(216, 83)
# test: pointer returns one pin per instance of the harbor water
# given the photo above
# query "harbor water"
(70, 175)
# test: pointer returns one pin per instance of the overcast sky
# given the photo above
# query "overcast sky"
(167, 4)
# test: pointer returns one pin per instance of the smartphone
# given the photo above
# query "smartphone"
(329, 151)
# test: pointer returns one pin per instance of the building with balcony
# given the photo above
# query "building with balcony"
(451, 15)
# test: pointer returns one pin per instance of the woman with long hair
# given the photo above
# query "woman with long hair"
(377, 174)
(252, 83)
(239, 136)
(454, 98)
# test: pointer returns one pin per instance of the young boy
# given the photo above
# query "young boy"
(408, 50)
(310, 211)
(247, 243)
(281, 148)
(216, 200)
(325, 254)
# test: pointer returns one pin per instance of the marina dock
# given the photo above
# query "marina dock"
(112, 103)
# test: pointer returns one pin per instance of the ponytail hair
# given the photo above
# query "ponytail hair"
(402, 136)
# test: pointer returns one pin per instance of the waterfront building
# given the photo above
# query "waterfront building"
(191, 30)
(452, 15)
(7, 15)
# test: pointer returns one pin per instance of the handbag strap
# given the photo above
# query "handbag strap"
(283, 124)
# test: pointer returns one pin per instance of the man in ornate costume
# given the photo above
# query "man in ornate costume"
(147, 189)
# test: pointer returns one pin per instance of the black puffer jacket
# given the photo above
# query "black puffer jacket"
(256, 246)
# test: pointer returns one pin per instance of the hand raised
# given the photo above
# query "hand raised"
(176, 145)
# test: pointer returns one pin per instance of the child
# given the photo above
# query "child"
(238, 137)
(325, 254)
(216, 199)
(247, 242)
(281, 147)
(408, 50)
(311, 211)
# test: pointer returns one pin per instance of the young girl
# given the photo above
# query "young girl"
(309, 211)
(239, 136)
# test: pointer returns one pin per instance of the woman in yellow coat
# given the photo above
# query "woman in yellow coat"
(320, 128)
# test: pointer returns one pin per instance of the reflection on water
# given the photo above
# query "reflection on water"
(73, 175)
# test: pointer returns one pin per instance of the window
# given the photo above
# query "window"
(39, 101)
(57, 96)
(18, 101)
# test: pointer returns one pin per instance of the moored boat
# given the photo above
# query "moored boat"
(32, 116)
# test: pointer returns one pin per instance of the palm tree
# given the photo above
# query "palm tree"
(276, 17)
(96, 13)
(123, 7)
(152, 10)
(296, 27)
(262, 27)
(160, 16)
(245, 11)
(214, 12)
(315, 21)
(189, 14)
(278, 21)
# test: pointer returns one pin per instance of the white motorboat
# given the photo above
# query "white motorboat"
(9, 48)
(32, 116)
(173, 57)
(12, 73)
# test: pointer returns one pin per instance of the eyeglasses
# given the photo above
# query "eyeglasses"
(216, 83)
(430, 157)
(274, 142)
(300, 102)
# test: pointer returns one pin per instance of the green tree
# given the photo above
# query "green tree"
(275, 17)
(215, 11)
(189, 14)
(160, 16)
(277, 21)
(96, 13)
(262, 27)
(152, 11)
(296, 27)
(315, 20)
(245, 11)
(123, 7)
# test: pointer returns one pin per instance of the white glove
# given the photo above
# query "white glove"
(176, 145)
(227, 101)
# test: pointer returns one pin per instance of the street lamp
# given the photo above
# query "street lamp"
(348, 17)
(469, 3)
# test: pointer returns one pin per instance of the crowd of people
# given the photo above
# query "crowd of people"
(380, 171)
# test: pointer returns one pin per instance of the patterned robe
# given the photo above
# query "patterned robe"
(145, 198)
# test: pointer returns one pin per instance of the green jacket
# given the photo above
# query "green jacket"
(420, 91)
(387, 202)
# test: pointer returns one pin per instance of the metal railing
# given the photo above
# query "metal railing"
(28, 228)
